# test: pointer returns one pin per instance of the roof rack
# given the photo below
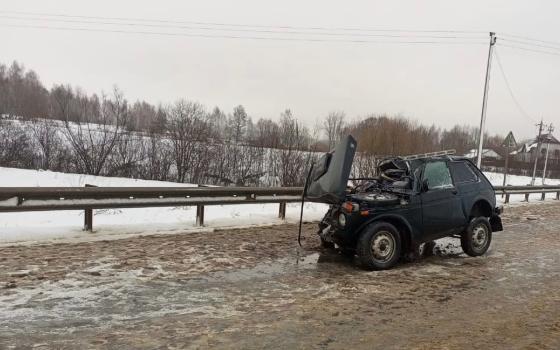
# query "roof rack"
(428, 155)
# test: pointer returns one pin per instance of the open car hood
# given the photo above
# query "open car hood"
(329, 177)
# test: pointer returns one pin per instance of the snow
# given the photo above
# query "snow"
(11, 177)
(486, 152)
(497, 179)
(119, 223)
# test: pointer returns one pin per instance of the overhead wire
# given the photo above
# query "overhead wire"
(259, 31)
(519, 107)
(526, 38)
(252, 37)
(528, 49)
(316, 28)
(530, 44)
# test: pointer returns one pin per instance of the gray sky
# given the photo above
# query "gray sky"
(440, 84)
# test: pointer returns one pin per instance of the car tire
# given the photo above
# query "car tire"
(477, 237)
(379, 246)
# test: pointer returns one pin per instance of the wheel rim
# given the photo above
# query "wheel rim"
(480, 237)
(383, 246)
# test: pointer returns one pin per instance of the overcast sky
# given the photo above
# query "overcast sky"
(431, 83)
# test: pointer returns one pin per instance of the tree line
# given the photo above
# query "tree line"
(66, 129)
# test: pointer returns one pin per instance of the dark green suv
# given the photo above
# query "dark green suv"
(412, 201)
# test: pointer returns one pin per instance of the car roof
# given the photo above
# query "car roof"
(415, 163)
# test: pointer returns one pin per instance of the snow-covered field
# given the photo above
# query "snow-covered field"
(115, 223)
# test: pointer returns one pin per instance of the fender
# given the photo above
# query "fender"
(479, 198)
(390, 217)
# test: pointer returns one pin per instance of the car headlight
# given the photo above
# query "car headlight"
(342, 219)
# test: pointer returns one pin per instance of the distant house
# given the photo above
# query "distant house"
(487, 153)
(527, 150)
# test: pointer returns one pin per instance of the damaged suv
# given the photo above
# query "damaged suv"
(413, 200)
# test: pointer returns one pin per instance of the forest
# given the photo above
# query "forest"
(63, 128)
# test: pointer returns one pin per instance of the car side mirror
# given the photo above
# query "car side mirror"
(425, 185)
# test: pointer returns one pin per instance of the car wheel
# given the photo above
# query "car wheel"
(326, 244)
(379, 246)
(476, 239)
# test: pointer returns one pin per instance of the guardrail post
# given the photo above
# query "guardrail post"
(88, 220)
(88, 215)
(543, 195)
(558, 196)
(200, 215)
(200, 211)
(282, 211)
(526, 197)
(507, 198)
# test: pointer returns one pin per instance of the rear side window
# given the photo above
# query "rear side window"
(462, 173)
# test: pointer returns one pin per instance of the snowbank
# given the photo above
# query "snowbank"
(114, 223)
(516, 180)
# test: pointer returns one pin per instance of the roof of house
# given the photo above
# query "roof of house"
(527, 146)
(488, 152)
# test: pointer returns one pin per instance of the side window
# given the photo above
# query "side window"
(462, 173)
(438, 176)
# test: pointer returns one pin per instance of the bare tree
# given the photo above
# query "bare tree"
(334, 127)
(141, 116)
(94, 137)
(45, 135)
(186, 127)
(237, 124)
(15, 147)
(217, 122)
(128, 155)
(159, 158)
(293, 154)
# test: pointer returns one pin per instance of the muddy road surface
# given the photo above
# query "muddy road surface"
(254, 288)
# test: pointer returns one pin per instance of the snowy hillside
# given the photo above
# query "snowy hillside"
(113, 223)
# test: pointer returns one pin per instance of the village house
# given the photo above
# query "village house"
(527, 150)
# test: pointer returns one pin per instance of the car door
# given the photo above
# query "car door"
(441, 205)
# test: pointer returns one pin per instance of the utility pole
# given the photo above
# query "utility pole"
(548, 138)
(485, 99)
(537, 153)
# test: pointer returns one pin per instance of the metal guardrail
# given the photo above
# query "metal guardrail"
(17, 199)
(527, 190)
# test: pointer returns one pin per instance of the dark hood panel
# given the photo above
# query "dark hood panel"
(329, 178)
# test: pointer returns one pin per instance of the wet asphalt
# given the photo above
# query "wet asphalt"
(255, 288)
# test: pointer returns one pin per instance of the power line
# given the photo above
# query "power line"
(260, 31)
(530, 44)
(531, 39)
(243, 25)
(531, 50)
(521, 109)
(183, 34)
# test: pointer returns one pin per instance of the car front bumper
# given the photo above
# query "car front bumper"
(496, 220)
